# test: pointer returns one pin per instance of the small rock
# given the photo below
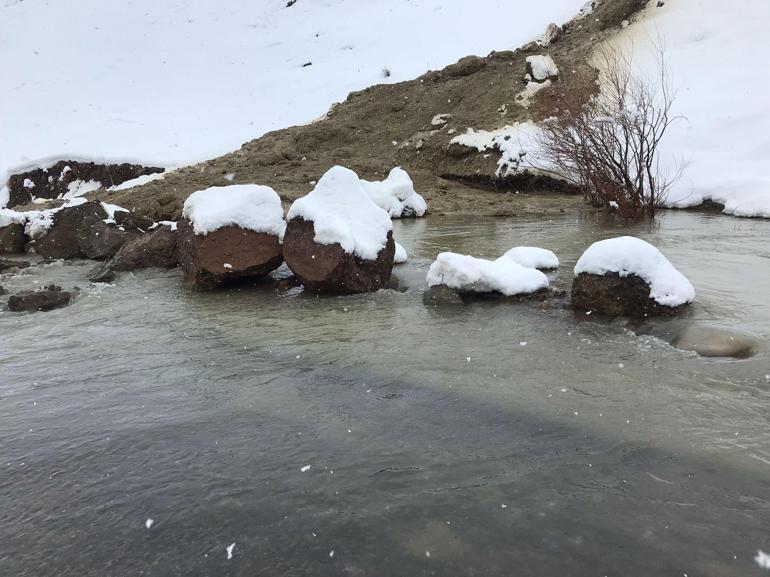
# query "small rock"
(103, 241)
(133, 222)
(441, 295)
(550, 35)
(8, 264)
(102, 273)
(50, 298)
(157, 248)
(12, 238)
(714, 342)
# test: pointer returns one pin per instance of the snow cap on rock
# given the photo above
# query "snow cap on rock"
(627, 255)
(533, 257)
(396, 193)
(470, 274)
(343, 213)
(542, 67)
(401, 256)
(249, 206)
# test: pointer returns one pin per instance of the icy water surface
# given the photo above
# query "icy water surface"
(372, 436)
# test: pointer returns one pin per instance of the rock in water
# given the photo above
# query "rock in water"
(103, 241)
(627, 276)
(441, 295)
(8, 264)
(47, 299)
(12, 237)
(71, 227)
(714, 342)
(328, 268)
(338, 240)
(102, 273)
(157, 248)
(230, 234)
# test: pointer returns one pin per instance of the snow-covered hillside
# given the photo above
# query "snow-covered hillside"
(170, 81)
(718, 54)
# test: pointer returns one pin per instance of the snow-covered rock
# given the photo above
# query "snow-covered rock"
(396, 195)
(533, 257)
(628, 276)
(542, 67)
(337, 239)
(470, 274)
(247, 206)
(400, 256)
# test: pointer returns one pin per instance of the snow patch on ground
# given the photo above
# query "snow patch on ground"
(249, 206)
(396, 194)
(628, 255)
(140, 180)
(78, 188)
(543, 67)
(471, 274)
(533, 257)
(343, 213)
(724, 143)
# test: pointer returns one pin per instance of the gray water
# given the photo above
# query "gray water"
(494, 439)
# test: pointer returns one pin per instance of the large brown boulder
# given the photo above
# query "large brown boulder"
(12, 238)
(80, 232)
(328, 268)
(157, 248)
(227, 255)
(614, 295)
(54, 181)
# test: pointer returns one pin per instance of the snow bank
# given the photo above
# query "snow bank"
(342, 212)
(396, 194)
(140, 180)
(61, 97)
(248, 206)
(517, 144)
(401, 257)
(543, 67)
(725, 142)
(533, 257)
(470, 274)
(629, 255)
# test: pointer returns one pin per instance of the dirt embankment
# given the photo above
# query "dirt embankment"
(391, 125)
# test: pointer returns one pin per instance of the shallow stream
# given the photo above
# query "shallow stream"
(492, 439)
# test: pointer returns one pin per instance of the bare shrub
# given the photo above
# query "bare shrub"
(607, 143)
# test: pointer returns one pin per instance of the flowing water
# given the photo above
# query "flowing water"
(492, 439)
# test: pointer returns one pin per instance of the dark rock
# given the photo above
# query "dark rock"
(70, 228)
(7, 264)
(12, 238)
(3, 291)
(103, 241)
(714, 342)
(226, 256)
(441, 295)
(102, 273)
(50, 298)
(157, 248)
(613, 295)
(53, 182)
(328, 268)
(132, 221)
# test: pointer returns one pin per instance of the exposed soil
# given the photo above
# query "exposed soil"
(390, 125)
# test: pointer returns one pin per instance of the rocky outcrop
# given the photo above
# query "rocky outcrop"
(615, 295)
(228, 255)
(157, 248)
(12, 238)
(56, 180)
(50, 298)
(328, 268)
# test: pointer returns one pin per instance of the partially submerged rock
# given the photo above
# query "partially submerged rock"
(230, 234)
(627, 276)
(12, 236)
(714, 342)
(69, 230)
(157, 248)
(8, 264)
(396, 195)
(337, 239)
(50, 298)
(102, 273)
(441, 295)
(66, 176)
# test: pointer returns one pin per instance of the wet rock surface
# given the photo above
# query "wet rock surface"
(441, 295)
(54, 181)
(613, 295)
(50, 298)
(103, 241)
(328, 268)
(70, 228)
(102, 273)
(226, 256)
(157, 248)
(10, 264)
(12, 238)
(709, 341)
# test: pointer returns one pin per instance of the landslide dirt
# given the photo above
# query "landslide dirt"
(390, 125)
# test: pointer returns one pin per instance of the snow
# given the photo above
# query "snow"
(78, 188)
(111, 209)
(470, 274)
(152, 90)
(36, 222)
(148, 523)
(140, 180)
(763, 560)
(395, 194)
(249, 206)
(230, 550)
(724, 143)
(9, 217)
(630, 255)
(517, 144)
(525, 97)
(28, 183)
(543, 67)
(401, 256)
(343, 213)
(305, 469)
(5, 196)
(533, 257)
